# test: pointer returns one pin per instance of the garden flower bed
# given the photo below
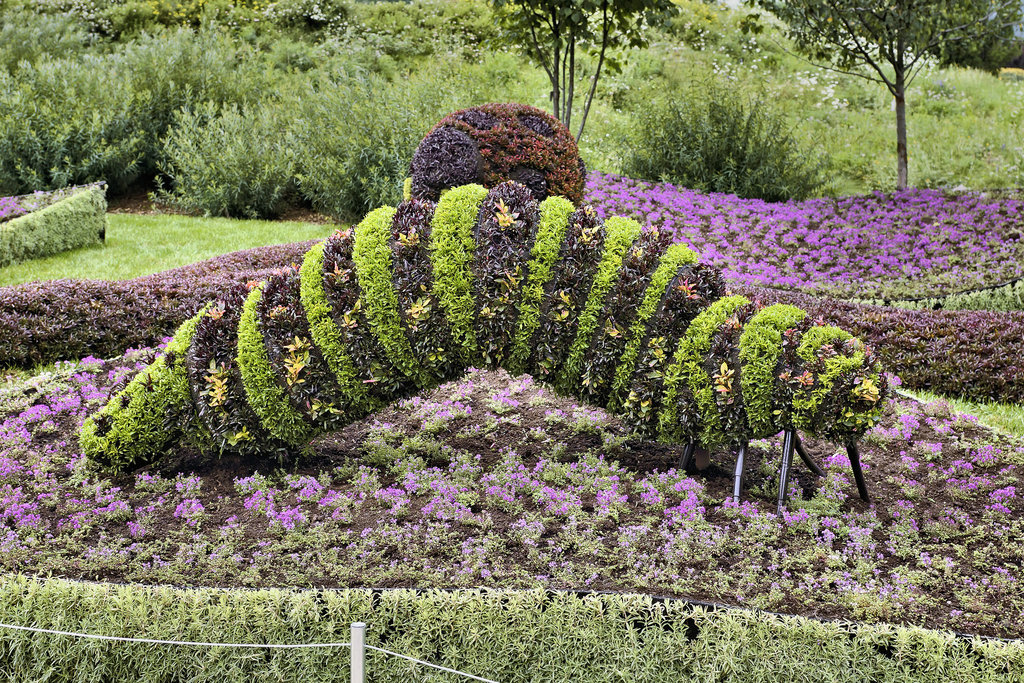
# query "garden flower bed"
(490, 481)
(904, 245)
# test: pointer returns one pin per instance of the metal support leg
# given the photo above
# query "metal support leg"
(787, 460)
(687, 456)
(862, 487)
(737, 484)
(808, 460)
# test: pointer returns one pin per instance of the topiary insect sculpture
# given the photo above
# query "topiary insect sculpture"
(602, 310)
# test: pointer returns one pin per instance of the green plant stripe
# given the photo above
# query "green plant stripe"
(818, 336)
(451, 251)
(686, 369)
(137, 431)
(677, 256)
(265, 395)
(620, 234)
(326, 334)
(760, 348)
(375, 272)
(554, 218)
(807, 402)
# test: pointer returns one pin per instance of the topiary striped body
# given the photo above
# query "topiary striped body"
(605, 311)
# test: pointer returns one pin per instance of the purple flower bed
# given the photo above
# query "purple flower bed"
(498, 482)
(10, 208)
(882, 246)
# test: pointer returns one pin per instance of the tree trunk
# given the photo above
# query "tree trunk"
(901, 131)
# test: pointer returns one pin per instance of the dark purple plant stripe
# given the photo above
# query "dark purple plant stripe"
(221, 405)
(504, 233)
(626, 295)
(299, 366)
(689, 293)
(422, 318)
(567, 291)
(725, 349)
(348, 312)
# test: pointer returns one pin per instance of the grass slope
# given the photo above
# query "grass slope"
(144, 244)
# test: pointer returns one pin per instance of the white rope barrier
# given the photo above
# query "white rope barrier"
(432, 666)
(277, 646)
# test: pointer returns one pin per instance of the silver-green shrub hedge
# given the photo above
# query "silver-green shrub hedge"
(78, 221)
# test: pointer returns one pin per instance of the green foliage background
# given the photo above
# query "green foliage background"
(321, 104)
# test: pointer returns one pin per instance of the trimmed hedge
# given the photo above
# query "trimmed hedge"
(469, 257)
(130, 429)
(508, 636)
(1005, 297)
(78, 221)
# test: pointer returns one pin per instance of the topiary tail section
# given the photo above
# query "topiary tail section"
(130, 430)
(608, 312)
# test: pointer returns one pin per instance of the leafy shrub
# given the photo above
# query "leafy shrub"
(77, 221)
(235, 162)
(309, 15)
(411, 31)
(711, 140)
(68, 122)
(355, 136)
(101, 117)
(28, 36)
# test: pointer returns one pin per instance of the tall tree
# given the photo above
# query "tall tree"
(887, 41)
(552, 32)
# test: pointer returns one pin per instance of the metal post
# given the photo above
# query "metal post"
(737, 482)
(808, 460)
(687, 456)
(358, 652)
(787, 458)
(858, 475)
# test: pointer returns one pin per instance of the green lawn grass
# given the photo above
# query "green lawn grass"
(141, 245)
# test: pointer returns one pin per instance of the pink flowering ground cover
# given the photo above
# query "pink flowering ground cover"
(496, 481)
(916, 243)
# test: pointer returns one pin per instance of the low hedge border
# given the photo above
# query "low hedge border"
(1007, 296)
(977, 355)
(507, 635)
(78, 221)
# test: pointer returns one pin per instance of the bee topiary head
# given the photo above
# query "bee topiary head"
(495, 143)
